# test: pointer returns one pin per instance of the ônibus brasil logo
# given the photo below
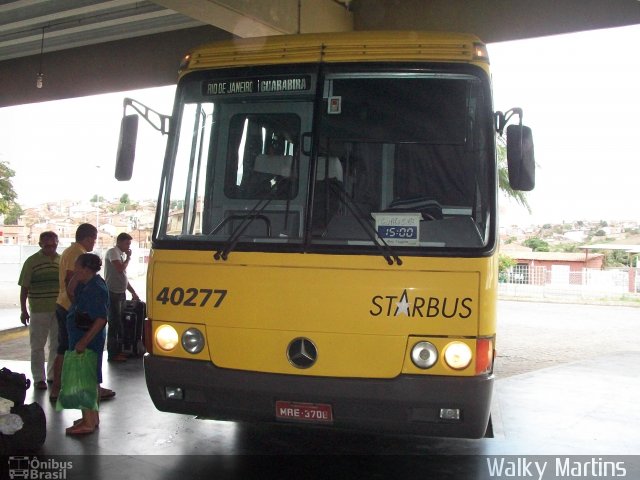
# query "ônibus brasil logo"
(33, 468)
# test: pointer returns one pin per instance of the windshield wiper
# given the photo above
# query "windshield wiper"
(382, 246)
(249, 217)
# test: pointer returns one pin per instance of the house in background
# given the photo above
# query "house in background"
(13, 234)
(553, 267)
(634, 260)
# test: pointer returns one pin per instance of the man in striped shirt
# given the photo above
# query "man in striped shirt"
(40, 285)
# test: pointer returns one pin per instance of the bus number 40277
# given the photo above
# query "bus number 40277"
(191, 297)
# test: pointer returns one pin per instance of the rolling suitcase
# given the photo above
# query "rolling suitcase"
(132, 327)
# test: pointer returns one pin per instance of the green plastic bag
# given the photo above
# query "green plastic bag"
(79, 381)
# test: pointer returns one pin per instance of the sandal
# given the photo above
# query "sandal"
(80, 429)
(79, 421)
(41, 385)
(106, 393)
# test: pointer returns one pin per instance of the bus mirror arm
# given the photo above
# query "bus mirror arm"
(157, 120)
(502, 119)
(129, 133)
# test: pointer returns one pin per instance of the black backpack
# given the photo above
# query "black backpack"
(13, 386)
(31, 437)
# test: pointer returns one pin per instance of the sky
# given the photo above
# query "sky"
(66, 149)
(580, 94)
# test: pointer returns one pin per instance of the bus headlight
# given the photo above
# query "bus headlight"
(458, 355)
(193, 340)
(424, 355)
(166, 337)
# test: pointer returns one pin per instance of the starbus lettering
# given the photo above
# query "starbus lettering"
(424, 307)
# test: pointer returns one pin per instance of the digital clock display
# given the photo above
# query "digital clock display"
(387, 231)
(399, 228)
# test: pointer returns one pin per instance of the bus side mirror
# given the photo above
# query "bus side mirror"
(126, 147)
(520, 158)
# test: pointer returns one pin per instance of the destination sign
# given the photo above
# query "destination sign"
(261, 85)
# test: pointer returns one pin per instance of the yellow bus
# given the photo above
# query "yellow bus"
(324, 250)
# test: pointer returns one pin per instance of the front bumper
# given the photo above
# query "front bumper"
(407, 404)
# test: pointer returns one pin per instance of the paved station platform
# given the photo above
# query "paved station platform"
(587, 408)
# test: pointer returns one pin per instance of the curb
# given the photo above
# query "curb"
(15, 331)
(570, 301)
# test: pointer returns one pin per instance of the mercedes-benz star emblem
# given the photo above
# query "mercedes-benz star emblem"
(302, 353)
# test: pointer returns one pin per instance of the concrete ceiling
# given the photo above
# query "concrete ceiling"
(76, 23)
(29, 26)
(78, 35)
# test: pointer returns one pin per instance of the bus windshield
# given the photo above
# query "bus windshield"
(332, 159)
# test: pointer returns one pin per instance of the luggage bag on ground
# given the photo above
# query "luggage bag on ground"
(13, 386)
(31, 437)
(133, 327)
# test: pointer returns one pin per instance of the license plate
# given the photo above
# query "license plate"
(304, 412)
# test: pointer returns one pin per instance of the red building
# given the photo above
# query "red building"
(557, 267)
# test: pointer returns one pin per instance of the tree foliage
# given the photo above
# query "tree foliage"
(616, 258)
(13, 215)
(7, 193)
(537, 244)
(505, 262)
(124, 204)
(567, 247)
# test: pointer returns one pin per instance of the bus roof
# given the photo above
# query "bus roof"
(358, 46)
